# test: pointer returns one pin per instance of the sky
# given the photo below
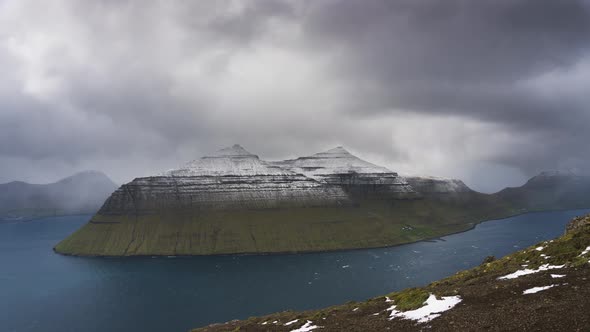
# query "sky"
(490, 91)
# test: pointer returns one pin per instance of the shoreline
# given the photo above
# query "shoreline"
(27, 219)
(488, 299)
(471, 225)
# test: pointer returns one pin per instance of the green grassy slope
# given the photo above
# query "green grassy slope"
(371, 223)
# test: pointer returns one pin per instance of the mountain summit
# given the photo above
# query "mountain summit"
(234, 160)
(234, 151)
(333, 161)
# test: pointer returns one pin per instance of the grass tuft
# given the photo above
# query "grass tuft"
(409, 299)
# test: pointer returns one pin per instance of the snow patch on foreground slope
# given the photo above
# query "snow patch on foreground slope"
(433, 308)
(308, 326)
(524, 272)
(537, 289)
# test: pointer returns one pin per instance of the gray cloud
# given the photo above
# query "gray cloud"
(488, 91)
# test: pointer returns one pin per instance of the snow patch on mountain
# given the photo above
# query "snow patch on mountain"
(333, 161)
(234, 160)
(436, 185)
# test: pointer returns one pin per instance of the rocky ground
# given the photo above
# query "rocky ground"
(542, 288)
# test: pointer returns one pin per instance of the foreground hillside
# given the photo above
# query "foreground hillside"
(542, 288)
(81, 193)
(234, 202)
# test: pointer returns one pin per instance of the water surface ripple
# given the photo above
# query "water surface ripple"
(44, 291)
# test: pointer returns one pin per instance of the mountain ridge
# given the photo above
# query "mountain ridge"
(82, 192)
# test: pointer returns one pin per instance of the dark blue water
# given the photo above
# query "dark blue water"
(43, 291)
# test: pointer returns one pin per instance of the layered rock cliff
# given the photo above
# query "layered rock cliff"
(428, 185)
(230, 179)
(340, 168)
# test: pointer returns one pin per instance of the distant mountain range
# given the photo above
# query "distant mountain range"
(550, 191)
(234, 202)
(83, 192)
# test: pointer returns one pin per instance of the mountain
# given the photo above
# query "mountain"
(83, 192)
(230, 179)
(550, 190)
(428, 185)
(541, 288)
(233, 202)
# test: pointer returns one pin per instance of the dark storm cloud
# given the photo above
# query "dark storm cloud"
(451, 56)
(475, 59)
(422, 86)
(458, 40)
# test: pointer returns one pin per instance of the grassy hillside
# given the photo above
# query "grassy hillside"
(370, 223)
(542, 288)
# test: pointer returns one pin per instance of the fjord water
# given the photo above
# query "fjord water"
(44, 291)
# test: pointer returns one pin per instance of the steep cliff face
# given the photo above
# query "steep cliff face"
(152, 194)
(434, 186)
(230, 179)
(340, 168)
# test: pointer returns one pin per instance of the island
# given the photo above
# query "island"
(233, 202)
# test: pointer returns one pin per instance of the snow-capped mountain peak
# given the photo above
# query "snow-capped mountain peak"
(333, 161)
(235, 150)
(233, 160)
(337, 152)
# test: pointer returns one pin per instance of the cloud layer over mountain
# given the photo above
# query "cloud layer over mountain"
(488, 91)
